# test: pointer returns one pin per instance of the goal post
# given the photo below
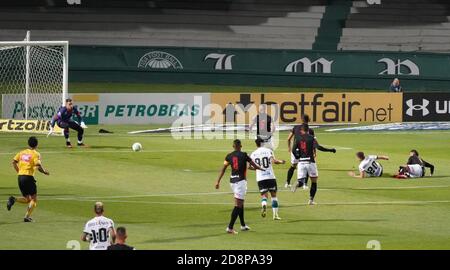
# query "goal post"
(33, 78)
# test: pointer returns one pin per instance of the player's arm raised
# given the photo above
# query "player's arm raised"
(221, 173)
(383, 157)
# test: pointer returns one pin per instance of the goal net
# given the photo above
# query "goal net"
(33, 78)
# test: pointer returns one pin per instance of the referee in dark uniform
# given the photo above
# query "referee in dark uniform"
(265, 126)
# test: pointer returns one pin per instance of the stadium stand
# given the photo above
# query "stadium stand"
(398, 25)
(278, 24)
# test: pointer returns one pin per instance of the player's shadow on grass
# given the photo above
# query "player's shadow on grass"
(174, 239)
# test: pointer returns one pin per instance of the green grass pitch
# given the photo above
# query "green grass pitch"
(165, 195)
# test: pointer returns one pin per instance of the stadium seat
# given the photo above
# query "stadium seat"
(398, 25)
(196, 23)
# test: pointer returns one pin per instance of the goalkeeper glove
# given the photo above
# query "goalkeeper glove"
(83, 125)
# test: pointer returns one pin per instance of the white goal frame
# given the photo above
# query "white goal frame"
(26, 43)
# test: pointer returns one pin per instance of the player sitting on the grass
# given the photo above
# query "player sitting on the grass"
(368, 166)
(415, 167)
(415, 159)
(99, 231)
(238, 161)
(267, 182)
(64, 120)
(25, 164)
(303, 151)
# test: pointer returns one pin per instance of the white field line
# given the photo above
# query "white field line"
(86, 150)
(68, 198)
(285, 204)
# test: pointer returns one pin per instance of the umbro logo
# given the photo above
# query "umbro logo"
(417, 107)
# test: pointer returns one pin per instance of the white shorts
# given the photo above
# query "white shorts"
(415, 171)
(294, 161)
(239, 189)
(305, 169)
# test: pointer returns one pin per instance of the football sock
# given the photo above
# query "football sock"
(275, 206)
(313, 190)
(290, 174)
(241, 216)
(301, 182)
(234, 216)
(263, 201)
(306, 180)
(30, 209)
(21, 200)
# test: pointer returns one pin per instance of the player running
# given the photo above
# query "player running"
(294, 161)
(368, 166)
(303, 151)
(266, 180)
(99, 231)
(265, 126)
(25, 163)
(238, 161)
(415, 167)
(64, 120)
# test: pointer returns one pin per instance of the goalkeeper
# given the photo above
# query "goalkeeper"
(64, 120)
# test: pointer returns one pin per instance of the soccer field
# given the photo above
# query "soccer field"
(165, 195)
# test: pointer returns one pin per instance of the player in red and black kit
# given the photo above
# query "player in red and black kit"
(238, 182)
(295, 131)
(304, 152)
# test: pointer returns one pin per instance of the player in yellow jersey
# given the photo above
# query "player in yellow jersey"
(25, 163)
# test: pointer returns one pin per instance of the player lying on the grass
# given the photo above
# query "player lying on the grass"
(266, 180)
(368, 166)
(99, 231)
(415, 167)
(25, 164)
(64, 120)
(238, 161)
(294, 162)
(303, 151)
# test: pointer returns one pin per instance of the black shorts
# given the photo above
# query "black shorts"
(267, 185)
(27, 185)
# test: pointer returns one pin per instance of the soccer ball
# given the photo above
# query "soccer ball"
(136, 147)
